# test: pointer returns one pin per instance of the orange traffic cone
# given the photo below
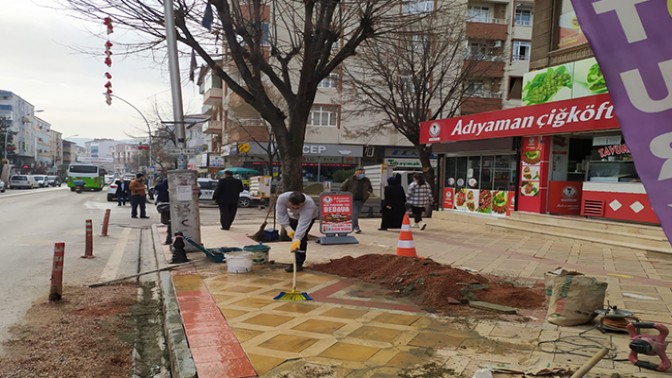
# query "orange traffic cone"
(405, 245)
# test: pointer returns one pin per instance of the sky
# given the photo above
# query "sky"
(39, 64)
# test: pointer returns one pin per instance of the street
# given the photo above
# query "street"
(32, 221)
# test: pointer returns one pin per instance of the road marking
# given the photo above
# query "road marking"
(112, 266)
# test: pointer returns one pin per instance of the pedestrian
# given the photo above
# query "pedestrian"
(296, 213)
(393, 206)
(138, 196)
(163, 206)
(360, 187)
(419, 199)
(226, 196)
(122, 191)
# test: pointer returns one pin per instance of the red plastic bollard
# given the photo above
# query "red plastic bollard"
(88, 249)
(106, 222)
(56, 290)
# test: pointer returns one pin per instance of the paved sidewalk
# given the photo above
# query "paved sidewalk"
(236, 329)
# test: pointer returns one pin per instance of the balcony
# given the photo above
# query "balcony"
(212, 96)
(476, 104)
(487, 29)
(212, 127)
(484, 69)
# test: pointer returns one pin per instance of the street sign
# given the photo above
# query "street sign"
(182, 151)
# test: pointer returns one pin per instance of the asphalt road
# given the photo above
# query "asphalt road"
(32, 221)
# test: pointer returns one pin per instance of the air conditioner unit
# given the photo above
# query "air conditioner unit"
(498, 44)
(369, 151)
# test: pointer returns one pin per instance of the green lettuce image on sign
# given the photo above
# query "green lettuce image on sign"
(543, 86)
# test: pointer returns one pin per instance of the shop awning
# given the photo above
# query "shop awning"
(560, 117)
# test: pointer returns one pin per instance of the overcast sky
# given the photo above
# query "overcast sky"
(38, 63)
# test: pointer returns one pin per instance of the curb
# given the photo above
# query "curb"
(181, 361)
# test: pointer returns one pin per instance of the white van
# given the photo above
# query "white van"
(22, 182)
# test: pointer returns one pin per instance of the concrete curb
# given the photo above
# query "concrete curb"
(181, 361)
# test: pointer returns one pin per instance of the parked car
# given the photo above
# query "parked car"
(2, 186)
(21, 182)
(53, 181)
(41, 180)
(208, 186)
(112, 189)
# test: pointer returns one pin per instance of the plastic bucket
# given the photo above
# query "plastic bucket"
(259, 253)
(239, 262)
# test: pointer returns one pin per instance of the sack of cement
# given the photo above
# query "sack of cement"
(573, 297)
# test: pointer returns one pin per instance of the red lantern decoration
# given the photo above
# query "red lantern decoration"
(107, 21)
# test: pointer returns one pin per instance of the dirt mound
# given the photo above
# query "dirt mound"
(432, 285)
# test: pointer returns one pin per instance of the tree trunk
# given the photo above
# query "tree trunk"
(424, 153)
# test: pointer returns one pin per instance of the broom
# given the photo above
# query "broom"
(293, 295)
(259, 235)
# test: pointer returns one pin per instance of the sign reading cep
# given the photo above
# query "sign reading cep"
(632, 44)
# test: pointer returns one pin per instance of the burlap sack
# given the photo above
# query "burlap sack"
(573, 297)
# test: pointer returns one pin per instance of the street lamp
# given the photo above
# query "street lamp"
(149, 128)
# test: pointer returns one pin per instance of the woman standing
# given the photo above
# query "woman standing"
(393, 206)
(420, 198)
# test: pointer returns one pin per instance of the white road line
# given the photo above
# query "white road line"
(112, 266)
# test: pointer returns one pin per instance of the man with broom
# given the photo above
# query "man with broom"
(296, 213)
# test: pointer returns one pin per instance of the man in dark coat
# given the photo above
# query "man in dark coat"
(122, 191)
(393, 207)
(226, 196)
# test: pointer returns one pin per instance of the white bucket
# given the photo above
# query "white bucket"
(239, 262)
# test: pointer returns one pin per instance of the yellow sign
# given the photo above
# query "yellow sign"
(243, 148)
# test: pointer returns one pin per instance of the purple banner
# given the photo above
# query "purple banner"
(632, 42)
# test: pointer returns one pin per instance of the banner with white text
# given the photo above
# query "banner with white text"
(632, 44)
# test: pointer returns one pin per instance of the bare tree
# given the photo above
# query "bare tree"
(286, 45)
(416, 74)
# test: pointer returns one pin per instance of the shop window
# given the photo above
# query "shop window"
(461, 172)
(474, 172)
(487, 172)
(505, 177)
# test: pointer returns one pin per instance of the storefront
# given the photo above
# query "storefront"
(565, 157)
(320, 160)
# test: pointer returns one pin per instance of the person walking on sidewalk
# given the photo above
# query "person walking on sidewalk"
(138, 196)
(360, 187)
(122, 191)
(393, 206)
(226, 196)
(163, 206)
(296, 213)
(419, 199)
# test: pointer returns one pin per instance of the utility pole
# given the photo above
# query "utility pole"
(182, 186)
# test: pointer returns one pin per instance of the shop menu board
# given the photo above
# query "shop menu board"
(482, 201)
(336, 213)
(531, 156)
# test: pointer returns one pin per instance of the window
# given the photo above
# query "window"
(474, 88)
(330, 81)
(419, 43)
(523, 16)
(407, 86)
(417, 6)
(323, 115)
(489, 172)
(521, 50)
(515, 87)
(478, 13)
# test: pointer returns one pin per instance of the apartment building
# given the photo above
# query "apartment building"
(498, 33)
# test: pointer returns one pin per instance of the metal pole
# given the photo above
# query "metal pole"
(175, 84)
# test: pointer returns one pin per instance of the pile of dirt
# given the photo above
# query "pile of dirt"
(431, 285)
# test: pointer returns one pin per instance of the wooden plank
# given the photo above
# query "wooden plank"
(493, 307)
